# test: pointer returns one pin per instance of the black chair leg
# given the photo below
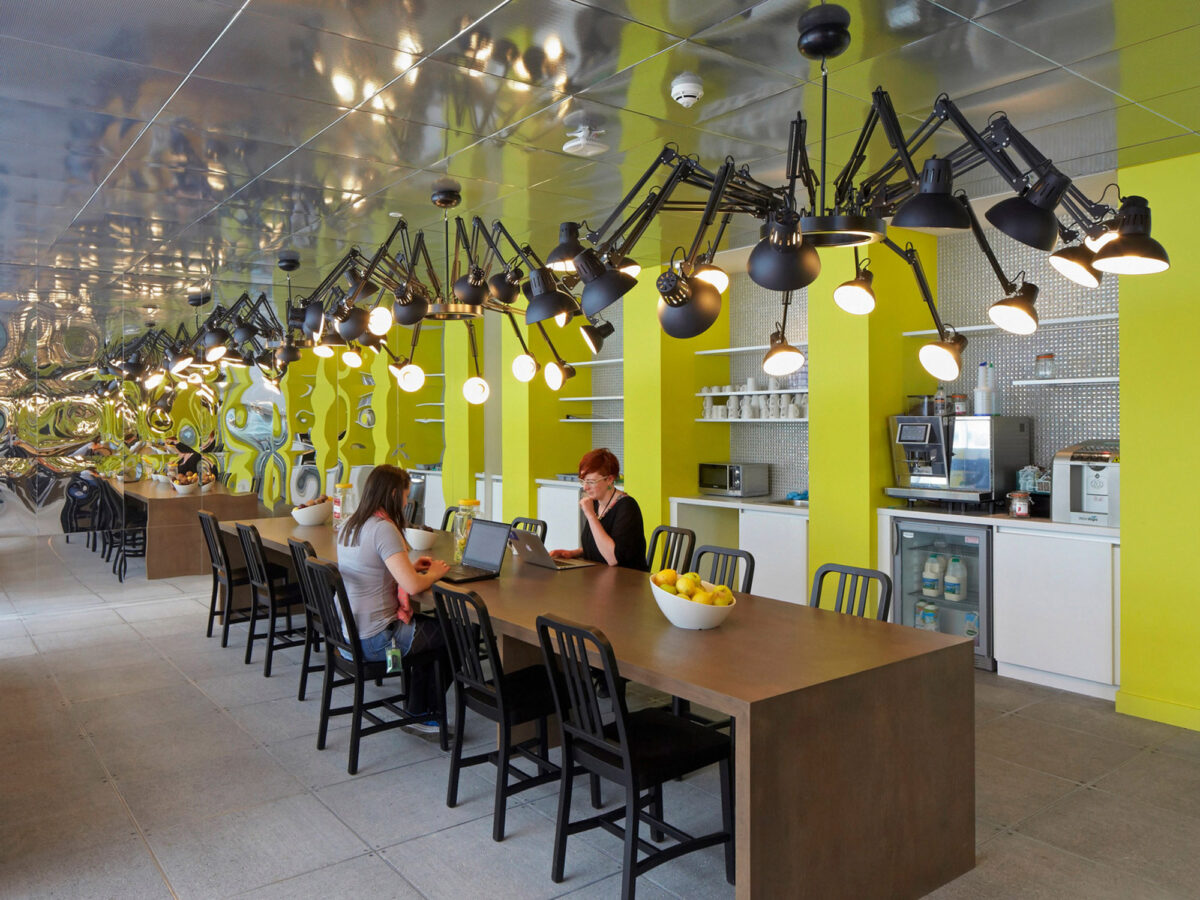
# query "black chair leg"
(326, 702)
(460, 713)
(271, 624)
(502, 757)
(629, 857)
(726, 772)
(251, 635)
(595, 785)
(212, 606)
(226, 612)
(563, 819)
(309, 638)
(656, 810)
(356, 726)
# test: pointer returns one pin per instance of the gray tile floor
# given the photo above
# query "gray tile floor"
(142, 760)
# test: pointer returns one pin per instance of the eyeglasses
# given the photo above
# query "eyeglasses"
(592, 482)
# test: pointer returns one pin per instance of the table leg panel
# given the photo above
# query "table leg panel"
(860, 787)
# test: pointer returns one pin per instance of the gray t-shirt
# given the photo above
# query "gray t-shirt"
(369, 585)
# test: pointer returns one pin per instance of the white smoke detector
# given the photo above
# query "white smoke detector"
(585, 141)
(686, 89)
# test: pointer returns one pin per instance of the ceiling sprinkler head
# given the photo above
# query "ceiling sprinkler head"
(447, 193)
(686, 89)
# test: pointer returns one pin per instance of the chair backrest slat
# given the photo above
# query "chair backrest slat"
(536, 526)
(724, 565)
(447, 515)
(256, 559)
(465, 623)
(335, 617)
(853, 589)
(217, 553)
(569, 650)
(676, 552)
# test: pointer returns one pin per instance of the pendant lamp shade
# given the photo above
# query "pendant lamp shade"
(1076, 263)
(602, 285)
(782, 260)
(352, 322)
(687, 306)
(933, 209)
(410, 309)
(562, 257)
(1016, 314)
(943, 359)
(545, 299)
(782, 358)
(1030, 218)
(1134, 252)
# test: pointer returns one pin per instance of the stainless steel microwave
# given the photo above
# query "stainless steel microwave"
(733, 479)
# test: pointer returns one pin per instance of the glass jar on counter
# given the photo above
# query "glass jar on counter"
(960, 404)
(1019, 504)
(460, 526)
(341, 503)
(1043, 366)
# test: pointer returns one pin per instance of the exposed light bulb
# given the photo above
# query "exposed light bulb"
(475, 390)
(352, 359)
(524, 368)
(411, 377)
(379, 321)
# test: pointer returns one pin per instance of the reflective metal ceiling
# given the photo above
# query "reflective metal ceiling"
(145, 142)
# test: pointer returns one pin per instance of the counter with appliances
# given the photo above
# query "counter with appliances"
(1054, 589)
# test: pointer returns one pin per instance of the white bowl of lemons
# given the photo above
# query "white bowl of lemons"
(689, 602)
(313, 512)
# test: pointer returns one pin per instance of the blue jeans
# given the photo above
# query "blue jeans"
(423, 633)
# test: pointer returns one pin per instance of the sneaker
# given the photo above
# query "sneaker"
(428, 726)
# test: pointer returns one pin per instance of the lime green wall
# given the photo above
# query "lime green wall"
(861, 370)
(1160, 434)
(663, 442)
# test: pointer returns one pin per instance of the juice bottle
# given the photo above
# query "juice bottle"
(931, 577)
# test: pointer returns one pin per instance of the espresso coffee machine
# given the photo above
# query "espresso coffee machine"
(958, 459)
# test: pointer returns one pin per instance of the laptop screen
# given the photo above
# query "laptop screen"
(487, 543)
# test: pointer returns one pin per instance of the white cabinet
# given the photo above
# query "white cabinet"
(496, 513)
(1054, 604)
(779, 544)
(435, 503)
(558, 507)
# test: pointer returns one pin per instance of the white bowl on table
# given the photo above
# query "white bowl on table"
(192, 488)
(419, 538)
(684, 613)
(317, 514)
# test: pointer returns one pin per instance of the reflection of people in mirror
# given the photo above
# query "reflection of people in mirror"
(187, 459)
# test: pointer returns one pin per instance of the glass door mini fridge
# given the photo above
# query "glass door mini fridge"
(942, 578)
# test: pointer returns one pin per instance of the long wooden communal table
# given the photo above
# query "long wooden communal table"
(855, 767)
(174, 541)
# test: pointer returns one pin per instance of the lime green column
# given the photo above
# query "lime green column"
(464, 422)
(1160, 443)
(663, 441)
(862, 368)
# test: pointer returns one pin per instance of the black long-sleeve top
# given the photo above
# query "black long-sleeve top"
(623, 522)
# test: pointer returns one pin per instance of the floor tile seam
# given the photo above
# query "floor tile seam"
(115, 606)
(1103, 863)
(1014, 827)
(111, 781)
(416, 837)
(1074, 782)
(1137, 798)
(1091, 734)
(387, 862)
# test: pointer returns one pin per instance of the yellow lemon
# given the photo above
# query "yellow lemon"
(685, 587)
(723, 600)
(669, 588)
(666, 576)
(705, 597)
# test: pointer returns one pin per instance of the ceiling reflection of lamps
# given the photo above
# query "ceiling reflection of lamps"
(562, 257)
(475, 389)
(556, 372)
(524, 365)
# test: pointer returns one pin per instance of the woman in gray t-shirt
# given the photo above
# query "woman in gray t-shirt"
(373, 560)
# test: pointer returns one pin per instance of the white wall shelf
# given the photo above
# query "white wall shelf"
(1083, 379)
(1067, 320)
(754, 349)
(781, 390)
(429, 421)
(583, 399)
(739, 420)
(591, 420)
(599, 362)
(431, 404)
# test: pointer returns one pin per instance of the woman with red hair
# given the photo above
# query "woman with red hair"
(613, 531)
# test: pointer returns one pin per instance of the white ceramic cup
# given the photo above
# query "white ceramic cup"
(793, 411)
(751, 384)
(718, 412)
(727, 388)
(773, 383)
(748, 412)
(733, 406)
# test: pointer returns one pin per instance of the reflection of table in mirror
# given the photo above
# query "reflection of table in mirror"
(174, 541)
(855, 768)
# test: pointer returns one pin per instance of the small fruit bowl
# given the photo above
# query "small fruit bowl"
(317, 514)
(206, 484)
(419, 538)
(683, 612)
(189, 488)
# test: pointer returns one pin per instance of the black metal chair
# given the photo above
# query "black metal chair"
(410, 514)
(852, 589)
(639, 751)
(81, 497)
(535, 526)
(123, 533)
(345, 667)
(225, 578)
(507, 698)
(724, 563)
(272, 593)
(302, 551)
(447, 515)
(676, 551)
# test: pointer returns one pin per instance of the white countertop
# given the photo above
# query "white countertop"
(761, 504)
(1064, 529)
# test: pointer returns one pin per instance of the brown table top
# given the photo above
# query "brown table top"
(766, 648)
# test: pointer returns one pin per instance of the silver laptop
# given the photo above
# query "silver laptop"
(530, 549)
(483, 555)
